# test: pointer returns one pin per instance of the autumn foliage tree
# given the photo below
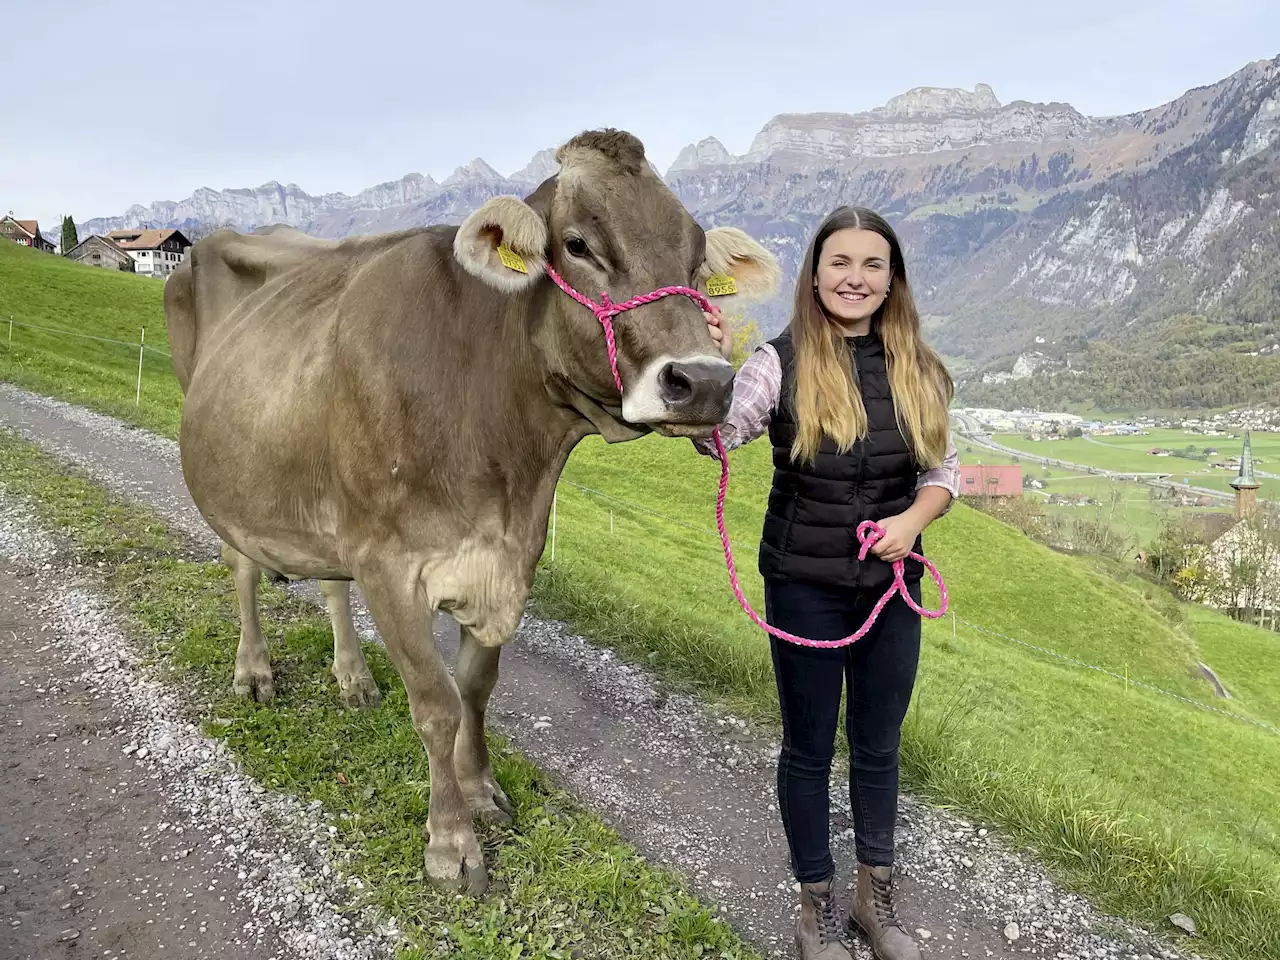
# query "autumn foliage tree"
(746, 337)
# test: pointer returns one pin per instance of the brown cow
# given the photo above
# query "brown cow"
(396, 410)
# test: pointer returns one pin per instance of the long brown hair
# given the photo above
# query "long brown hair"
(826, 398)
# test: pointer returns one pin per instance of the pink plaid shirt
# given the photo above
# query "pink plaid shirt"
(755, 392)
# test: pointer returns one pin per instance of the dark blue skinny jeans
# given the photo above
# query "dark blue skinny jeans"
(881, 671)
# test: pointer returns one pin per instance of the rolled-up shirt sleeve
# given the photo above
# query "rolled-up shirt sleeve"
(945, 475)
(755, 391)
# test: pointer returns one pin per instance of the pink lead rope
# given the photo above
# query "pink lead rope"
(868, 531)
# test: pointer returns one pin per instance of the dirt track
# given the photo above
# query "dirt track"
(692, 791)
(90, 870)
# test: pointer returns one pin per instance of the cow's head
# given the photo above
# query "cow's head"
(607, 222)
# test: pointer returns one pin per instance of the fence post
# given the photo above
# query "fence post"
(554, 497)
(142, 345)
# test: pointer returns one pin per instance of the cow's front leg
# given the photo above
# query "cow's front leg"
(356, 686)
(453, 858)
(476, 672)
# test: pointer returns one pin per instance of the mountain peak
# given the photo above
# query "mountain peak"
(475, 171)
(542, 166)
(941, 102)
(707, 152)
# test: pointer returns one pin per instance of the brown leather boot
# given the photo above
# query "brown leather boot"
(875, 915)
(818, 929)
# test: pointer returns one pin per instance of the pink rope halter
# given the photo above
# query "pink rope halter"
(869, 532)
(606, 309)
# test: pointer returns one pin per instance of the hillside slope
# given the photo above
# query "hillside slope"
(72, 304)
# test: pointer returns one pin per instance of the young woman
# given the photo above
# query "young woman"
(855, 405)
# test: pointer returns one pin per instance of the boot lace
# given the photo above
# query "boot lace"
(882, 897)
(828, 919)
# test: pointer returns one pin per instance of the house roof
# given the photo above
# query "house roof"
(997, 480)
(142, 239)
(32, 227)
(1216, 525)
(101, 239)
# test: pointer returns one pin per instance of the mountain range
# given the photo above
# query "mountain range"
(1033, 233)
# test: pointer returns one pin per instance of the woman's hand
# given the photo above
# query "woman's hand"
(900, 532)
(720, 332)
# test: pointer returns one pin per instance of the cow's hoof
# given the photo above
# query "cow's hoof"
(449, 868)
(256, 684)
(357, 691)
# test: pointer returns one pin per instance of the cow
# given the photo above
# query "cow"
(395, 410)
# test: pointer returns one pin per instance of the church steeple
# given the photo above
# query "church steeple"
(1245, 486)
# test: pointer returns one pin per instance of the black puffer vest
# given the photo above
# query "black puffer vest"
(810, 525)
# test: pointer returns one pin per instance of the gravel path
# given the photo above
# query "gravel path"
(691, 789)
(126, 832)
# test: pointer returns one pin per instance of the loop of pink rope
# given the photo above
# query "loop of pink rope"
(868, 533)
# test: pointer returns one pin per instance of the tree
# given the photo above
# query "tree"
(69, 238)
(746, 337)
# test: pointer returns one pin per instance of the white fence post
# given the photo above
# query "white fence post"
(554, 497)
(142, 345)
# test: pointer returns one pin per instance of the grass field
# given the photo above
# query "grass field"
(1138, 515)
(77, 301)
(1139, 799)
(1130, 454)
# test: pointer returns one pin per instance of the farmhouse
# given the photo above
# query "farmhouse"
(102, 252)
(156, 253)
(982, 480)
(25, 232)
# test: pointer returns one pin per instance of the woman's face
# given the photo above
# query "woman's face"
(853, 274)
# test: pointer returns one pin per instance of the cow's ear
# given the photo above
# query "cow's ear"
(737, 269)
(504, 243)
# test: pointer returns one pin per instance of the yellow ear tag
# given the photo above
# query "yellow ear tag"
(510, 259)
(721, 285)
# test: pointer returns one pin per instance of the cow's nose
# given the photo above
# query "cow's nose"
(699, 387)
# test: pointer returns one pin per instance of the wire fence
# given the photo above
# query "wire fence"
(632, 505)
(140, 343)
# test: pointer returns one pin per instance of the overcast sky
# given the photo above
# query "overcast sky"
(105, 105)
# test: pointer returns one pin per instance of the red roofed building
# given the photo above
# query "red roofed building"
(991, 480)
(25, 232)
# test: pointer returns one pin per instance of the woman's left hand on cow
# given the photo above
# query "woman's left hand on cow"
(720, 332)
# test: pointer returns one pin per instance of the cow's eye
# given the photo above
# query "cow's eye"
(577, 247)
